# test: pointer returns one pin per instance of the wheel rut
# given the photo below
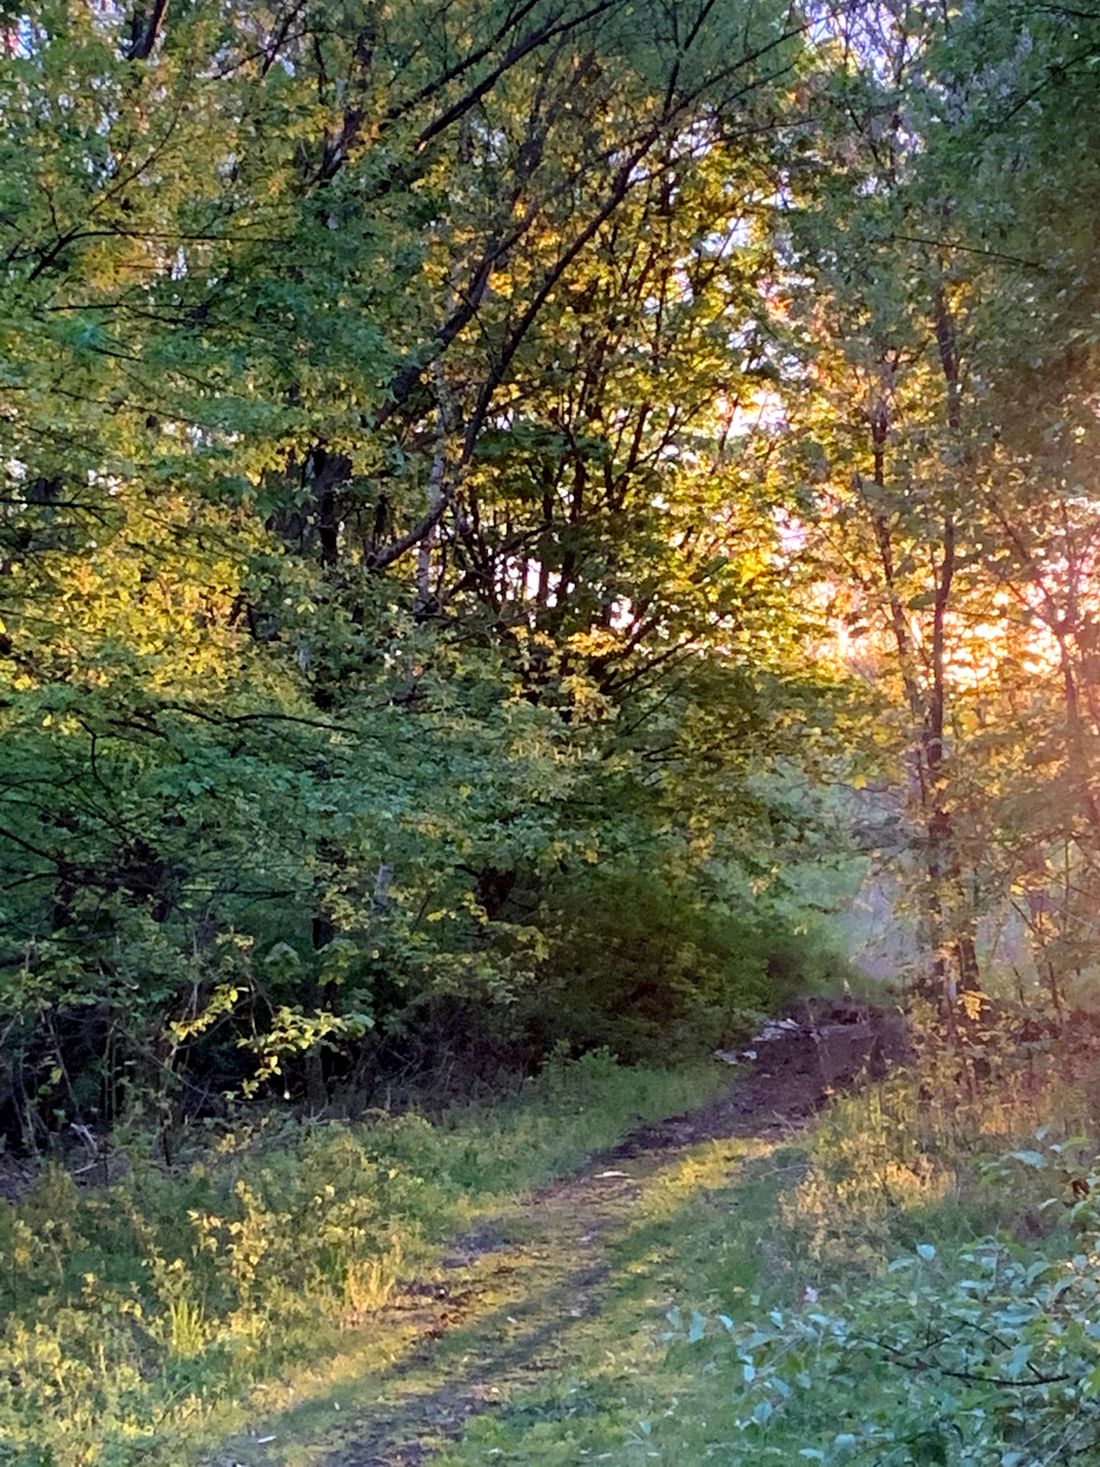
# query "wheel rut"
(499, 1310)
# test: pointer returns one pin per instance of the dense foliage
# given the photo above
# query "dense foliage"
(455, 455)
(383, 551)
(942, 310)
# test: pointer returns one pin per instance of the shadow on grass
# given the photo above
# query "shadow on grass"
(520, 1314)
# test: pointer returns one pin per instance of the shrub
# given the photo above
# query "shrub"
(949, 1305)
(983, 1356)
(647, 965)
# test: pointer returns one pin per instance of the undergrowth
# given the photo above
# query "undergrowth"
(912, 1280)
(130, 1312)
(943, 1273)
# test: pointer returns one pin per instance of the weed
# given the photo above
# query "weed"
(131, 1313)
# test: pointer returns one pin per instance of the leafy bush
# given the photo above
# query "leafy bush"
(970, 1350)
(646, 964)
(989, 1355)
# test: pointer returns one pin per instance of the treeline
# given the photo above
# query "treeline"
(946, 318)
(397, 642)
(481, 479)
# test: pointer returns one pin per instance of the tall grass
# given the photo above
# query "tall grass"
(129, 1312)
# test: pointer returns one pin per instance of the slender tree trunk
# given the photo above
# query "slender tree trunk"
(961, 938)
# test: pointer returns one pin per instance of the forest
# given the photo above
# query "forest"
(542, 540)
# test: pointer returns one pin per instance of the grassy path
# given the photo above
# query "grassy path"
(539, 1337)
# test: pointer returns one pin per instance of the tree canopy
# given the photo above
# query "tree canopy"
(480, 474)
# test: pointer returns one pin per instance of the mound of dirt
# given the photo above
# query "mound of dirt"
(797, 1064)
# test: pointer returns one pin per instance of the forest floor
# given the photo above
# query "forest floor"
(538, 1337)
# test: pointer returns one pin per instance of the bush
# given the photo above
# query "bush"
(650, 966)
(948, 1310)
(982, 1355)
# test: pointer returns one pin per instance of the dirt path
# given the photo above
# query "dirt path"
(504, 1307)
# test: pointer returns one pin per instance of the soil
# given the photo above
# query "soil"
(468, 1360)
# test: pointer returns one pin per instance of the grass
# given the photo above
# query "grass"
(724, 1302)
(705, 1347)
(556, 1340)
(625, 1393)
(141, 1319)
